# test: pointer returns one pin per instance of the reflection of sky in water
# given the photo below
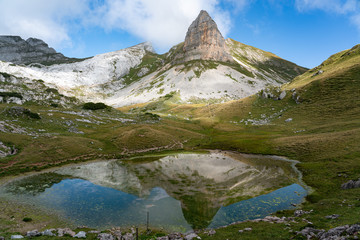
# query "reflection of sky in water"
(259, 207)
(106, 194)
(101, 207)
(95, 206)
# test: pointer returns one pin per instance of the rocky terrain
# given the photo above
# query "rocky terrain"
(205, 68)
(16, 50)
(204, 41)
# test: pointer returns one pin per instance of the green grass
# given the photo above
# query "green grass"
(324, 136)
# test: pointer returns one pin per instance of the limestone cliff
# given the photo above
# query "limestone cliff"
(16, 50)
(204, 41)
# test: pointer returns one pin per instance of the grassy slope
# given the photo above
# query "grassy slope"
(324, 135)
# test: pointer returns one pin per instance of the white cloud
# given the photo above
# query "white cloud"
(163, 22)
(44, 19)
(348, 8)
(335, 6)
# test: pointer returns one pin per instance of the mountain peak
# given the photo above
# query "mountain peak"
(204, 41)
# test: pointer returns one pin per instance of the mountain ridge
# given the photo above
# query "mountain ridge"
(205, 68)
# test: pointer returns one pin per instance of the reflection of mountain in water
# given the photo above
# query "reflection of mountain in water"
(202, 182)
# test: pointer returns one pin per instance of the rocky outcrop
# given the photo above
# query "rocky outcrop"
(204, 41)
(351, 184)
(16, 50)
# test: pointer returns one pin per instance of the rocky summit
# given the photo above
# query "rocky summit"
(16, 50)
(204, 41)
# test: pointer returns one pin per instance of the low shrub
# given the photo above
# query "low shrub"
(94, 106)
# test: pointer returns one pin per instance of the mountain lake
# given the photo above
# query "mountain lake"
(176, 192)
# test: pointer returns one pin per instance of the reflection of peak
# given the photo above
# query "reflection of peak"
(201, 182)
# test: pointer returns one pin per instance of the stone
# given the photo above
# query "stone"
(282, 95)
(105, 236)
(192, 236)
(128, 236)
(288, 120)
(117, 234)
(48, 232)
(17, 236)
(333, 216)
(211, 232)
(351, 184)
(16, 50)
(175, 236)
(65, 231)
(80, 234)
(162, 238)
(248, 229)
(204, 41)
(33, 233)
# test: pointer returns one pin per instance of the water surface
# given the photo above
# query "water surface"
(181, 192)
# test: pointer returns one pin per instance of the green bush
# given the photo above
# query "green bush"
(6, 75)
(30, 114)
(94, 106)
(27, 219)
(10, 94)
(52, 90)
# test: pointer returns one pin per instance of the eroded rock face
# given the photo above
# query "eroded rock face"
(204, 41)
(16, 50)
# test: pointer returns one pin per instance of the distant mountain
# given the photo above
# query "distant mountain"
(204, 68)
(18, 51)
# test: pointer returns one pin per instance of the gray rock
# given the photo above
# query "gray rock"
(318, 73)
(65, 231)
(204, 41)
(48, 232)
(353, 229)
(299, 213)
(162, 238)
(192, 236)
(128, 236)
(351, 184)
(211, 232)
(17, 236)
(248, 229)
(288, 120)
(105, 236)
(33, 233)
(333, 216)
(117, 234)
(282, 95)
(16, 50)
(175, 236)
(80, 234)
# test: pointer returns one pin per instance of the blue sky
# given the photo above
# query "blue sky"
(302, 31)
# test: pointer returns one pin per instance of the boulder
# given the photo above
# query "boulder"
(351, 184)
(80, 234)
(33, 233)
(192, 236)
(128, 236)
(65, 231)
(282, 95)
(17, 236)
(105, 236)
(48, 232)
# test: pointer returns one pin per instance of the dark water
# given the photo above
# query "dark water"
(180, 192)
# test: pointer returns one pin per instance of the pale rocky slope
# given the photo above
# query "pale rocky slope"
(204, 68)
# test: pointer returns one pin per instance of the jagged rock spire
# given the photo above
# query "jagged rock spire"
(204, 41)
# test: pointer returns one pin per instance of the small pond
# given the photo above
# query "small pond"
(180, 192)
